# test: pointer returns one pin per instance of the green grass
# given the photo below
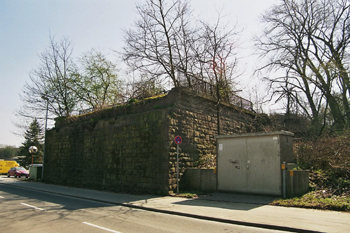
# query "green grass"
(187, 195)
(316, 200)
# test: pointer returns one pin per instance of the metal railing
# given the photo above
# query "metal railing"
(209, 90)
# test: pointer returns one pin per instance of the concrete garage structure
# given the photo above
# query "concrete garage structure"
(251, 163)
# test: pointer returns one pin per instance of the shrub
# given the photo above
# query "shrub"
(328, 159)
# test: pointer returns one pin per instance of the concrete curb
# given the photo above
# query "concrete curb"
(202, 217)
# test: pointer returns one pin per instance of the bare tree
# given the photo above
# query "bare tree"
(150, 46)
(309, 40)
(217, 57)
(51, 83)
(167, 42)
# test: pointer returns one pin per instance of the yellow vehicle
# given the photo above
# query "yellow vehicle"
(6, 165)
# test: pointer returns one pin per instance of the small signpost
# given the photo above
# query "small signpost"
(283, 166)
(178, 141)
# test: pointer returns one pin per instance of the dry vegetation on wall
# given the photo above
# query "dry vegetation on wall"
(328, 159)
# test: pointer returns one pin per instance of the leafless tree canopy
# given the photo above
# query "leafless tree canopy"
(51, 82)
(167, 42)
(309, 41)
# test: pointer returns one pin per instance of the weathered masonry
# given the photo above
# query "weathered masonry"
(131, 149)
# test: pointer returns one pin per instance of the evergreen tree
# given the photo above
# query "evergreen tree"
(33, 137)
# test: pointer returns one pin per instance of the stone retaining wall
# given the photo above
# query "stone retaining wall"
(131, 149)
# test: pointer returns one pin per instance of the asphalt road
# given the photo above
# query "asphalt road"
(23, 210)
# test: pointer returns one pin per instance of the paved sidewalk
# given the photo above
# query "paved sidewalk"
(229, 208)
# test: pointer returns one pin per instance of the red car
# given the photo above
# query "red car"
(18, 172)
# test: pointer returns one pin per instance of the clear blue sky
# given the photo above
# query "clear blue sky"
(25, 26)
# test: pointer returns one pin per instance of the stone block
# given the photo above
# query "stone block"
(136, 142)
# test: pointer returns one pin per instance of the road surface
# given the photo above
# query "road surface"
(23, 210)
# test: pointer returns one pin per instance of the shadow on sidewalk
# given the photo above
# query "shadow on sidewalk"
(229, 201)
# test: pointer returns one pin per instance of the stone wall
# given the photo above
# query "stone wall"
(194, 118)
(131, 148)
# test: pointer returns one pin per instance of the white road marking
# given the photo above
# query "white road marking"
(1, 197)
(31, 206)
(102, 228)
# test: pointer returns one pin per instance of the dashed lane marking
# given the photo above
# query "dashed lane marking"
(102, 228)
(31, 206)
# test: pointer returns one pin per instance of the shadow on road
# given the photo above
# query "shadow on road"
(12, 193)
